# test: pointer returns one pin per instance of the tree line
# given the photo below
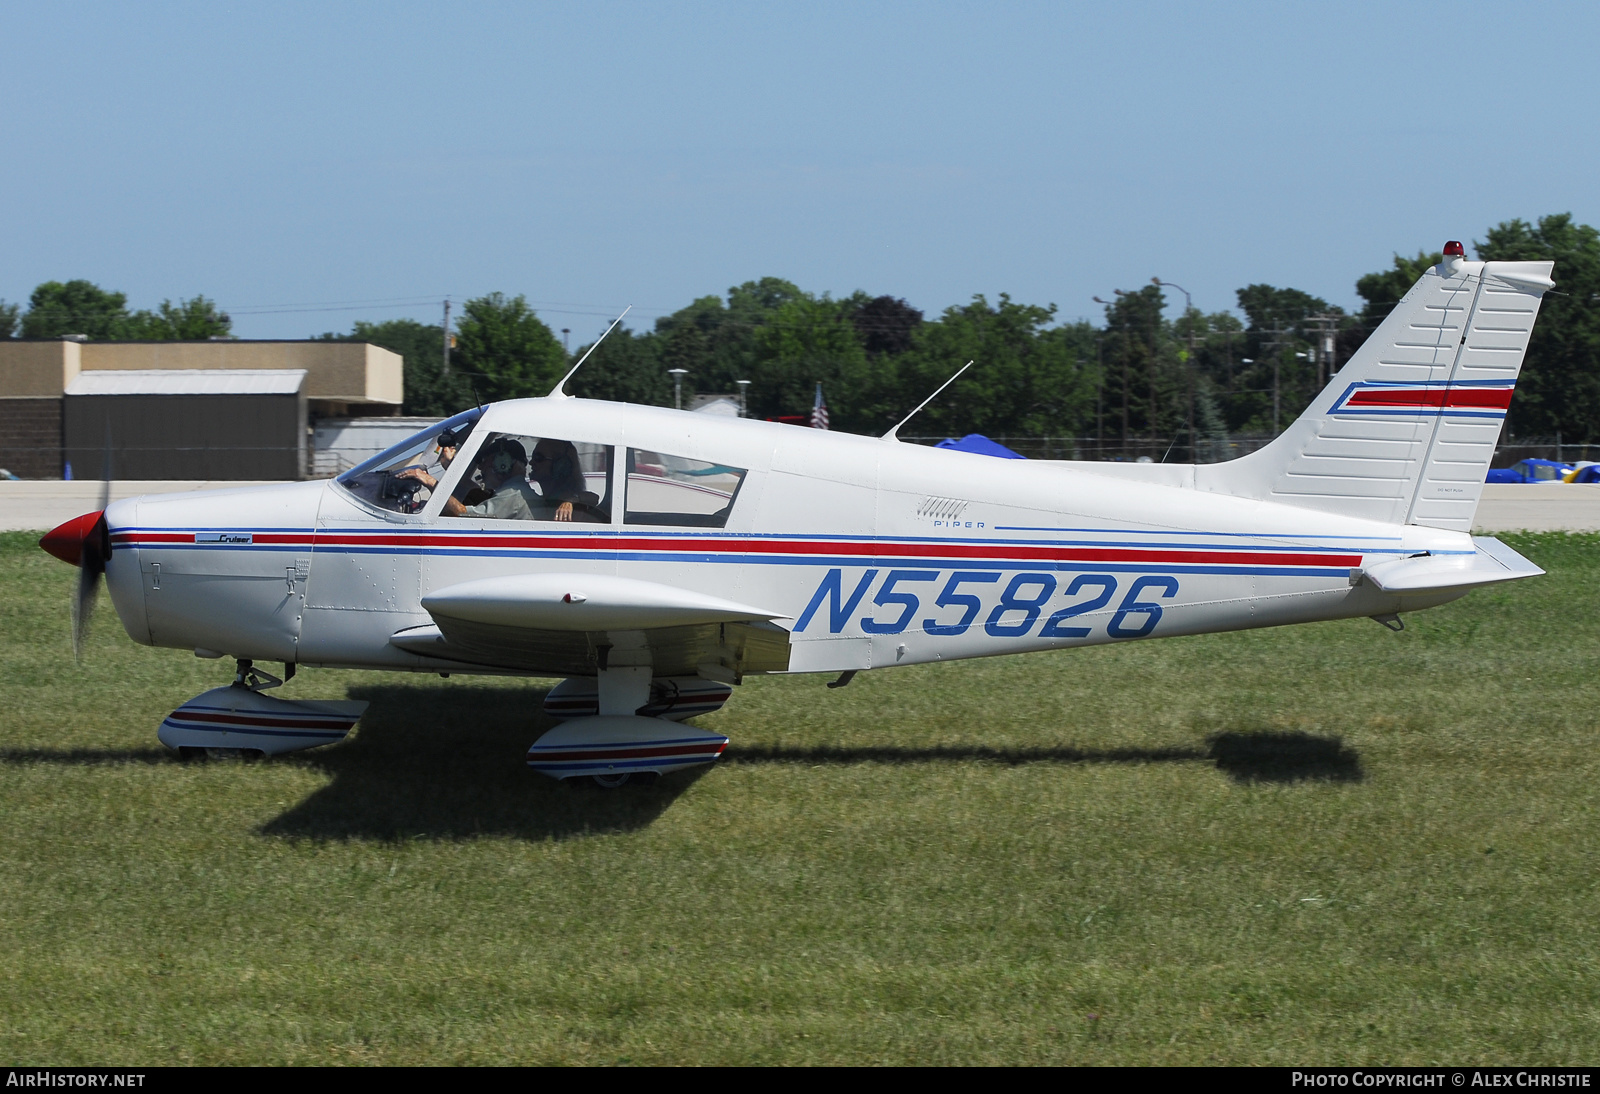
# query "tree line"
(1185, 383)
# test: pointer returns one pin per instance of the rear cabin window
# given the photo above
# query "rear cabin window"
(517, 477)
(665, 489)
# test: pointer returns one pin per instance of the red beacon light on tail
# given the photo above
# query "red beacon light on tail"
(1454, 249)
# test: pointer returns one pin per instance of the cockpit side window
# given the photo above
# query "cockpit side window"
(664, 489)
(518, 477)
(401, 478)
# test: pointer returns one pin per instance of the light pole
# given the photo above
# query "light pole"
(565, 342)
(744, 391)
(1188, 306)
(677, 375)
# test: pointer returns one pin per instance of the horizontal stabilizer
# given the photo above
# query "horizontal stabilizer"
(584, 602)
(1492, 563)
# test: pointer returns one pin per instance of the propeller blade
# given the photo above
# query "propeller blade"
(91, 569)
(92, 563)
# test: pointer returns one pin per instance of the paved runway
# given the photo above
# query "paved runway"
(1555, 507)
(39, 505)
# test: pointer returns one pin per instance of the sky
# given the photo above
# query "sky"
(310, 165)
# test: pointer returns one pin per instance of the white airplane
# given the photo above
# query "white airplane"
(654, 558)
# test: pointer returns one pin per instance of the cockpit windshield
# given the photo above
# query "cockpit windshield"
(401, 478)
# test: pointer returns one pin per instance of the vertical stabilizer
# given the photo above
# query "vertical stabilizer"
(1405, 431)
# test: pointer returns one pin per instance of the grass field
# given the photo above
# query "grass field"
(1325, 844)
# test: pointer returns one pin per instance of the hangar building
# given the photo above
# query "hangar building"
(186, 410)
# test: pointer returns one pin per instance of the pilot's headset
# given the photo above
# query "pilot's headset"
(503, 455)
(561, 467)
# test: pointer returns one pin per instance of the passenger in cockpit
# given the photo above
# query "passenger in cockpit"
(556, 469)
(503, 462)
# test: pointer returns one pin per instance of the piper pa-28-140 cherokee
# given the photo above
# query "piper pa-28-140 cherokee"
(653, 558)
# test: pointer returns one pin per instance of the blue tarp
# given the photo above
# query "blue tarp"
(981, 445)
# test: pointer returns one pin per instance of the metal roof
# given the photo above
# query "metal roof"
(189, 381)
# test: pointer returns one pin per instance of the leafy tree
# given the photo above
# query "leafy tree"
(1382, 290)
(81, 307)
(1277, 341)
(1133, 352)
(187, 321)
(1270, 308)
(429, 392)
(716, 343)
(511, 348)
(625, 368)
(1560, 383)
(693, 339)
(59, 308)
(885, 325)
(805, 340)
(1029, 378)
(8, 319)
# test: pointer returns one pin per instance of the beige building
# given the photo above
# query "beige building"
(340, 380)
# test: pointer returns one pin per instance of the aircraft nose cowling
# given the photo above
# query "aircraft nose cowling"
(66, 541)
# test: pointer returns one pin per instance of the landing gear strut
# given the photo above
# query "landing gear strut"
(250, 678)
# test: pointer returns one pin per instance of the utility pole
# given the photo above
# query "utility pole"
(744, 391)
(677, 375)
(447, 336)
(566, 342)
(1323, 328)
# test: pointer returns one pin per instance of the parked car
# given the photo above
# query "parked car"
(1534, 471)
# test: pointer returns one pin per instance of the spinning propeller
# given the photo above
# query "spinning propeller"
(85, 542)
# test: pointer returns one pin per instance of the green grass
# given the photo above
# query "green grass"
(1324, 844)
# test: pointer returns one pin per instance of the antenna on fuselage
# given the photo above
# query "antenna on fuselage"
(890, 436)
(556, 392)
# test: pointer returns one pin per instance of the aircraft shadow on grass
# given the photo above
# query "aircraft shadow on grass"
(1262, 756)
(86, 756)
(446, 763)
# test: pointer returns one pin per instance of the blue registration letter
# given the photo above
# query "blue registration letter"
(832, 587)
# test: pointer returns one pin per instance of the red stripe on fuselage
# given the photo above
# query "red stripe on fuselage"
(1433, 398)
(866, 552)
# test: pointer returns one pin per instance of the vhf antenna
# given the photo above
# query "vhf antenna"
(891, 435)
(556, 392)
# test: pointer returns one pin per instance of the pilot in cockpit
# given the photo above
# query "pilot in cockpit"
(449, 443)
(503, 463)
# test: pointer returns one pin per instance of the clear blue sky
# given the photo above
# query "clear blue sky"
(279, 157)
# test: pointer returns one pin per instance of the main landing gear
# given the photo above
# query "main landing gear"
(241, 722)
(618, 731)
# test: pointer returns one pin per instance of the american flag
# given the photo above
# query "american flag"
(819, 410)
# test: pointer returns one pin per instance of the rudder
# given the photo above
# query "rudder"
(1404, 433)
